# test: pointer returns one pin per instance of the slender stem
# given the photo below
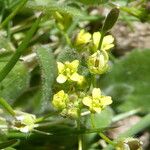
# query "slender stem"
(7, 107)
(23, 2)
(7, 68)
(79, 127)
(104, 137)
(141, 125)
(125, 115)
(101, 40)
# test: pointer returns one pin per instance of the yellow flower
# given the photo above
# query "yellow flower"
(106, 44)
(68, 71)
(83, 37)
(96, 102)
(60, 100)
(98, 62)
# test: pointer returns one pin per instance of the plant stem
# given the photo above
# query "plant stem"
(104, 137)
(79, 136)
(7, 107)
(101, 40)
(125, 115)
(7, 68)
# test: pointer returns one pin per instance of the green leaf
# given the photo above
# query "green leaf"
(93, 2)
(128, 81)
(48, 71)
(48, 8)
(103, 119)
(15, 83)
(7, 107)
(8, 143)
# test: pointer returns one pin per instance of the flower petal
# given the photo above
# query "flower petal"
(60, 67)
(97, 109)
(96, 93)
(96, 39)
(75, 77)
(108, 39)
(87, 101)
(61, 78)
(106, 100)
(74, 65)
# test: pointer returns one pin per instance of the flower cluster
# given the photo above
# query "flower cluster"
(98, 61)
(72, 102)
(67, 104)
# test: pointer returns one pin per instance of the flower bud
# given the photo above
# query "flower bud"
(129, 144)
(98, 62)
(24, 122)
(60, 100)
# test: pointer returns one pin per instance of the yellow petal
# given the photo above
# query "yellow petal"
(108, 39)
(61, 78)
(96, 93)
(87, 101)
(76, 77)
(74, 64)
(83, 37)
(96, 38)
(60, 67)
(107, 47)
(97, 109)
(106, 100)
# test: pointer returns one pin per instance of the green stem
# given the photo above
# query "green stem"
(104, 137)
(7, 68)
(125, 115)
(101, 40)
(79, 136)
(138, 127)
(19, 7)
(7, 107)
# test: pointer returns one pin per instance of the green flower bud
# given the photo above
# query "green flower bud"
(60, 100)
(24, 122)
(98, 62)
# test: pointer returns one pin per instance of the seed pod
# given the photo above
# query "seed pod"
(110, 20)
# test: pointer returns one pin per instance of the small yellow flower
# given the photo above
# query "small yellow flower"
(60, 100)
(96, 102)
(83, 37)
(98, 62)
(106, 44)
(68, 71)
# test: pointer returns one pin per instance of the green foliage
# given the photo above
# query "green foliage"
(8, 143)
(128, 81)
(48, 73)
(15, 83)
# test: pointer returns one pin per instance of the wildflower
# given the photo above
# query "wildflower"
(98, 62)
(129, 144)
(96, 102)
(60, 100)
(24, 122)
(68, 71)
(106, 44)
(83, 37)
